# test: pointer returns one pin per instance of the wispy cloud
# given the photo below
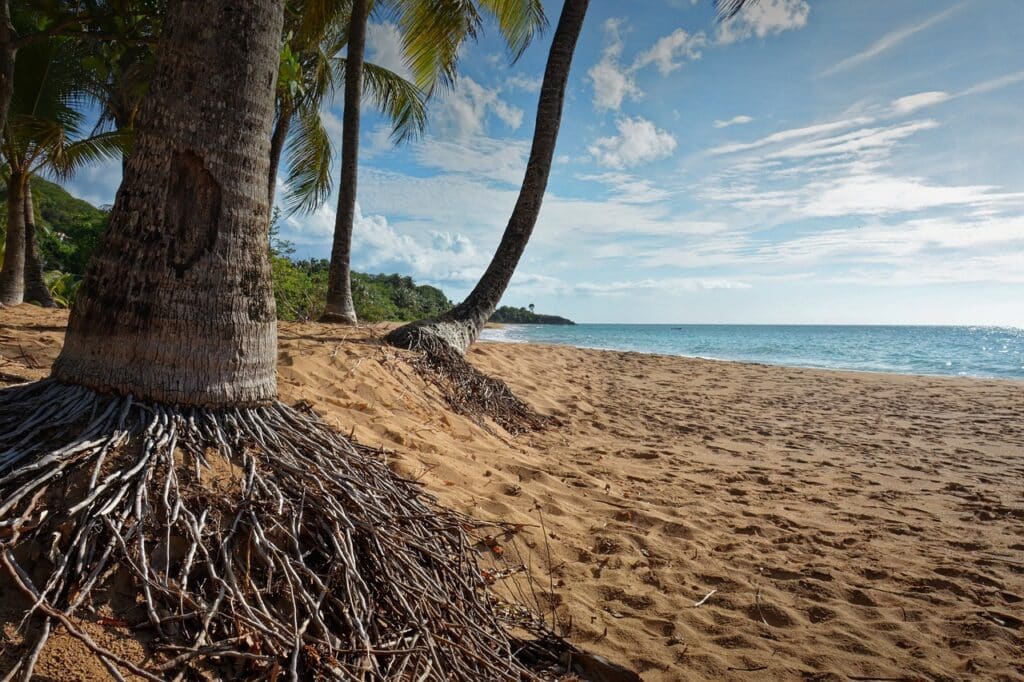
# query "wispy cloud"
(734, 121)
(791, 134)
(994, 84)
(889, 41)
(911, 103)
(664, 285)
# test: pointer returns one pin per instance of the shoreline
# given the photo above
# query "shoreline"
(755, 363)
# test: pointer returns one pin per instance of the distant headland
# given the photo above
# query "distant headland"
(509, 315)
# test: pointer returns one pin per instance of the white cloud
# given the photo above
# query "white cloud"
(910, 103)
(883, 194)
(857, 141)
(916, 251)
(791, 134)
(763, 19)
(889, 41)
(332, 124)
(667, 285)
(97, 183)
(612, 82)
(734, 121)
(629, 188)
(463, 111)
(842, 174)
(523, 82)
(905, 105)
(994, 84)
(638, 142)
(384, 48)
(511, 116)
(444, 257)
(484, 157)
(667, 50)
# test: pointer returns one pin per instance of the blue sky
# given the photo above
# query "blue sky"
(849, 161)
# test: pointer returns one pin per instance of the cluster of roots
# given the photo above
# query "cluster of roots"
(470, 392)
(253, 543)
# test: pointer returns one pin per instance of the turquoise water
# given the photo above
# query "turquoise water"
(955, 351)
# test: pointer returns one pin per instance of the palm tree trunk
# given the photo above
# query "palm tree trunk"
(461, 326)
(277, 140)
(7, 54)
(12, 275)
(36, 290)
(339, 278)
(176, 305)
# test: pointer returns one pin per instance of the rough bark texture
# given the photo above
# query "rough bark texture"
(7, 53)
(177, 306)
(461, 326)
(12, 275)
(36, 290)
(339, 279)
(284, 121)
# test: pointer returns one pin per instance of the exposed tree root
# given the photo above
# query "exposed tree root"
(470, 392)
(255, 543)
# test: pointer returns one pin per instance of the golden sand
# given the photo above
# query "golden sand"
(706, 520)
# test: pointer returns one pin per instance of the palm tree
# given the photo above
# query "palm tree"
(433, 33)
(36, 290)
(311, 70)
(96, 21)
(297, 552)
(118, 71)
(176, 304)
(40, 135)
(461, 326)
(7, 56)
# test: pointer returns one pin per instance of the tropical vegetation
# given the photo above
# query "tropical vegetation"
(510, 315)
(70, 229)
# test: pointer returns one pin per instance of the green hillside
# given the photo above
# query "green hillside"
(506, 314)
(69, 228)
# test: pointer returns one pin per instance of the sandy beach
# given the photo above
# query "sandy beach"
(705, 520)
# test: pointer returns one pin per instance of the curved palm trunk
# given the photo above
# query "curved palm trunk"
(12, 275)
(176, 305)
(461, 326)
(277, 140)
(7, 53)
(339, 279)
(36, 290)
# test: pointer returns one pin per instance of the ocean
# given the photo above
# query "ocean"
(990, 352)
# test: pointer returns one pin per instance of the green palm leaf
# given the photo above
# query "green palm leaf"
(309, 163)
(518, 20)
(64, 158)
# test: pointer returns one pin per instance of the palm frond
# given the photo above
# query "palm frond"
(432, 38)
(313, 21)
(520, 21)
(309, 163)
(727, 9)
(48, 83)
(398, 99)
(64, 157)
